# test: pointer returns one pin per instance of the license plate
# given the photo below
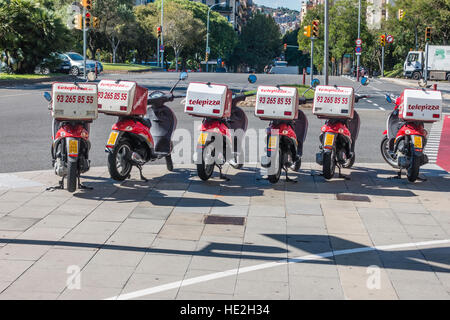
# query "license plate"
(329, 140)
(272, 142)
(418, 142)
(73, 147)
(202, 138)
(112, 138)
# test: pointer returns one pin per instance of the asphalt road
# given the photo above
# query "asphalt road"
(25, 122)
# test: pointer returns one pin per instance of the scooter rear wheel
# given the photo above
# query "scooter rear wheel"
(205, 170)
(119, 165)
(273, 178)
(329, 165)
(413, 169)
(72, 170)
(350, 162)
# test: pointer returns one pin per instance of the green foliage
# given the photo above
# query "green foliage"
(295, 57)
(29, 32)
(259, 43)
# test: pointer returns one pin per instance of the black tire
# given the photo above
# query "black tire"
(448, 77)
(384, 148)
(350, 162)
(122, 153)
(75, 71)
(416, 75)
(204, 170)
(169, 163)
(296, 166)
(273, 178)
(413, 169)
(72, 175)
(329, 165)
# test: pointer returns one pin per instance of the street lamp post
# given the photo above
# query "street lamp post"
(162, 32)
(359, 36)
(207, 32)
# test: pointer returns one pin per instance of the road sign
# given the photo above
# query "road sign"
(389, 39)
(358, 42)
(161, 48)
(358, 49)
(208, 50)
(358, 53)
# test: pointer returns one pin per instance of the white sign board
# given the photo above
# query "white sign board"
(420, 105)
(74, 101)
(276, 102)
(118, 97)
(334, 102)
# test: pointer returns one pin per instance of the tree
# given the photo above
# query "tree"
(294, 56)
(259, 43)
(115, 17)
(29, 32)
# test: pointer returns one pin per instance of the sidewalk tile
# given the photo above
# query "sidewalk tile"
(307, 288)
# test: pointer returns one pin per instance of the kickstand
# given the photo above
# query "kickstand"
(140, 172)
(222, 176)
(82, 186)
(59, 186)
(341, 175)
(398, 176)
(287, 178)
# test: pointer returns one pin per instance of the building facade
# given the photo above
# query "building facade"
(308, 5)
(377, 12)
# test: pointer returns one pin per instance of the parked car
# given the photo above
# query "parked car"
(77, 64)
(55, 63)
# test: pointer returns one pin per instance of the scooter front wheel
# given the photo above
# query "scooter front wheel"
(72, 174)
(329, 165)
(205, 170)
(119, 165)
(386, 153)
(350, 162)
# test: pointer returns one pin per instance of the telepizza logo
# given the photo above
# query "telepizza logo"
(75, 88)
(423, 107)
(273, 91)
(206, 102)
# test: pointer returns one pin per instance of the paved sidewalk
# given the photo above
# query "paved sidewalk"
(149, 240)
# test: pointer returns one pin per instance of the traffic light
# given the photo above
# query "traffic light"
(307, 31)
(95, 22)
(428, 34)
(78, 22)
(382, 40)
(315, 28)
(87, 20)
(285, 46)
(401, 14)
(158, 30)
(207, 57)
(87, 4)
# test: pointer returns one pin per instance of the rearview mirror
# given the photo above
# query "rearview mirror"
(252, 78)
(388, 98)
(47, 96)
(365, 81)
(315, 82)
(183, 76)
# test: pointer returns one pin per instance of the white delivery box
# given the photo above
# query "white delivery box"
(420, 105)
(276, 103)
(333, 102)
(74, 101)
(122, 98)
(208, 100)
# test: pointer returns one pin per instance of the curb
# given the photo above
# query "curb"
(132, 71)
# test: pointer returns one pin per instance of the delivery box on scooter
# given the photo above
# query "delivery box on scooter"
(276, 103)
(208, 100)
(334, 102)
(74, 101)
(122, 98)
(420, 105)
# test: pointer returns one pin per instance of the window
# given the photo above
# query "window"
(412, 57)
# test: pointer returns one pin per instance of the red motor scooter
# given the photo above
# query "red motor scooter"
(287, 129)
(405, 137)
(141, 134)
(340, 131)
(222, 125)
(74, 107)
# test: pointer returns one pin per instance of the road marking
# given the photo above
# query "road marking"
(223, 274)
(382, 109)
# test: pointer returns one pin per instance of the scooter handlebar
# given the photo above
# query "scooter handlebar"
(358, 97)
(161, 99)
